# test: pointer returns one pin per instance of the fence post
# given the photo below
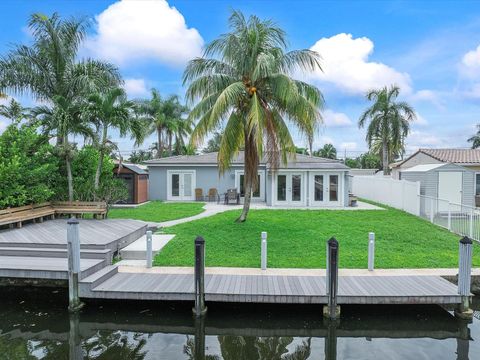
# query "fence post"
(149, 249)
(431, 210)
(464, 278)
(470, 230)
(200, 308)
(449, 221)
(332, 310)
(73, 250)
(371, 251)
(264, 250)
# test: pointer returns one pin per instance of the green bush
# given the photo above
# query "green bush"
(84, 166)
(28, 167)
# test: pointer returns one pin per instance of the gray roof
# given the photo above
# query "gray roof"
(300, 161)
(135, 168)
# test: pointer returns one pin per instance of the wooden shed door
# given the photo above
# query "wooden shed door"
(450, 186)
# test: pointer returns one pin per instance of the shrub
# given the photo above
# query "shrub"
(28, 167)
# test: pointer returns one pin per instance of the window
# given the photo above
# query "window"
(318, 187)
(281, 187)
(477, 184)
(256, 192)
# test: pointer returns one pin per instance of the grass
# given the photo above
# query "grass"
(296, 239)
(157, 211)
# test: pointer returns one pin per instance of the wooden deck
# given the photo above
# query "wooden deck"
(38, 251)
(94, 234)
(111, 284)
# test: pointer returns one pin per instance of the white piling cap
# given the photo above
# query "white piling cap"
(264, 235)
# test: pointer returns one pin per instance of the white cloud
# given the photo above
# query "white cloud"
(135, 87)
(470, 65)
(131, 30)
(345, 64)
(348, 146)
(420, 120)
(334, 119)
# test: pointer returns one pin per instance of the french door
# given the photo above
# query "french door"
(290, 189)
(181, 185)
(325, 189)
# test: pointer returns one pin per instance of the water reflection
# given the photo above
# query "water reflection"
(38, 326)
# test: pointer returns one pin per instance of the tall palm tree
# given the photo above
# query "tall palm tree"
(475, 139)
(110, 110)
(14, 111)
(150, 112)
(67, 118)
(49, 69)
(176, 128)
(389, 121)
(243, 78)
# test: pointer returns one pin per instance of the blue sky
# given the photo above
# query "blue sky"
(430, 48)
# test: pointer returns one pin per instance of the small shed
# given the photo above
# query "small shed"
(450, 182)
(136, 180)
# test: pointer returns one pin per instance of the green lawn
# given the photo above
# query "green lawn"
(296, 239)
(158, 211)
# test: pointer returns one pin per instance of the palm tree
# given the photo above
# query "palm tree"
(475, 139)
(328, 151)
(164, 117)
(13, 111)
(389, 121)
(49, 70)
(243, 78)
(107, 111)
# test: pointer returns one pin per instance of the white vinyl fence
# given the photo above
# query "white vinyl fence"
(460, 219)
(400, 194)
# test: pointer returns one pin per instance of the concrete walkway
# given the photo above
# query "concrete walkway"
(214, 208)
(445, 272)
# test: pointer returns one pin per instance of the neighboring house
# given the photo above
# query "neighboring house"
(459, 182)
(136, 179)
(305, 181)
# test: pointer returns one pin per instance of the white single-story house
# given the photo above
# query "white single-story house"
(304, 181)
(449, 174)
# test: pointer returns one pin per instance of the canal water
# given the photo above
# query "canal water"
(34, 324)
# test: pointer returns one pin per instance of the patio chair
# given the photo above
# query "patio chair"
(213, 195)
(198, 194)
(232, 195)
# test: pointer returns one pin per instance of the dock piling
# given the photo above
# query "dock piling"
(149, 249)
(264, 250)
(332, 310)
(464, 278)
(371, 251)
(73, 249)
(200, 308)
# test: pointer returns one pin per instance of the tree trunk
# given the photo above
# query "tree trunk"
(100, 161)
(159, 144)
(69, 178)
(248, 197)
(386, 169)
(170, 153)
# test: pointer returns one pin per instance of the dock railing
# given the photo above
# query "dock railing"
(460, 219)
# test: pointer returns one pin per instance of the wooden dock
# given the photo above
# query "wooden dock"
(275, 289)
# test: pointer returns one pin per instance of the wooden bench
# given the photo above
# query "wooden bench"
(98, 208)
(17, 215)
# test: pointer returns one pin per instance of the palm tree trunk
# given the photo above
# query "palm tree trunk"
(100, 161)
(248, 196)
(159, 144)
(386, 169)
(170, 144)
(69, 178)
